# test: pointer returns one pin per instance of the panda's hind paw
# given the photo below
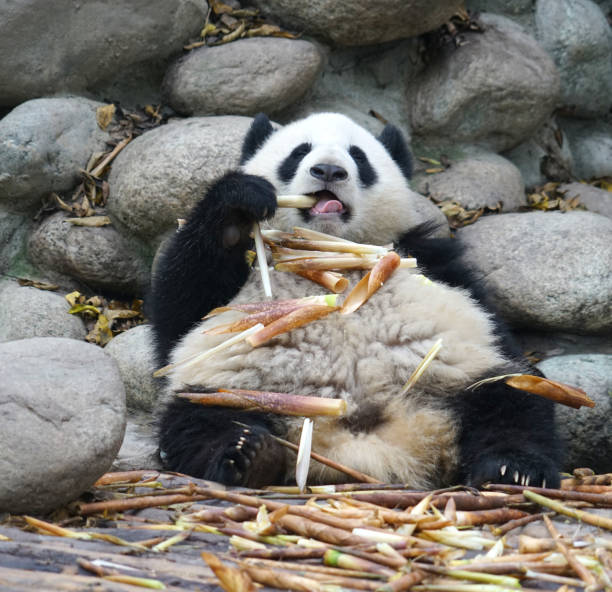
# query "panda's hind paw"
(514, 468)
(251, 459)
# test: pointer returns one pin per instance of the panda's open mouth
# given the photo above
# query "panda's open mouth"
(327, 204)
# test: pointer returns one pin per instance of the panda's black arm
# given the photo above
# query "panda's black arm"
(203, 265)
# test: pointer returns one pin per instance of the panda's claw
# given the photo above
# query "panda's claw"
(502, 470)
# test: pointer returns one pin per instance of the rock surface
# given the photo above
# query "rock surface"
(134, 353)
(481, 180)
(62, 424)
(360, 22)
(579, 39)
(44, 143)
(163, 173)
(591, 145)
(493, 91)
(540, 271)
(76, 52)
(139, 449)
(98, 257)
(250, 75)
(587, 431)
(29, 312)
(594, 199)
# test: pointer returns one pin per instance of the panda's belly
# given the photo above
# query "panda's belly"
(365, 358)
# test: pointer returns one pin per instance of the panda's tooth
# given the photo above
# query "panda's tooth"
(502, 470)
(516, 476)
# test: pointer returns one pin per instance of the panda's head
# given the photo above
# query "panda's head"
(360, 181)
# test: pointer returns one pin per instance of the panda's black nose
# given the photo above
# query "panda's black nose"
(328, 172)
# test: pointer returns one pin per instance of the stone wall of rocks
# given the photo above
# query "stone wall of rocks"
(515, 95)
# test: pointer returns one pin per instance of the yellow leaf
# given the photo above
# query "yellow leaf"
(104, 115)
(73, 297)
(84, 308)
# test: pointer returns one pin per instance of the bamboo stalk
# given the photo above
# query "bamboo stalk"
(282, 403)
(296, 201)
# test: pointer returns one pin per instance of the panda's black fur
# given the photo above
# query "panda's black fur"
(492, 433)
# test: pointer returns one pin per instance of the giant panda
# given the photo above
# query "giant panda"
(441, 432)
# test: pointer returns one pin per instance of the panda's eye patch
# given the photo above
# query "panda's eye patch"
(287, 169)
(367, 175)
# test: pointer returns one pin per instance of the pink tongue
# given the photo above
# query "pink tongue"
(327, 206)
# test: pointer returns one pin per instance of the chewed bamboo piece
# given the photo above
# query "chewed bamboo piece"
(282, 403)
(551, 389)
(544, 387)
(261, 260)
(371, 282)
(293, 320)
(198, 357)
(303, 456)
(331, 280)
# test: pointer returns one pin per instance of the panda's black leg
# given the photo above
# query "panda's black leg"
(508, 436)
(231, 447)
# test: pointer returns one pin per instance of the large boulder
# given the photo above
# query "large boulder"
(44, 144)
(69, 46)
(591, 145)
(361, 22)
(587, 431)
(98, 257)
(29, 312)
(159, 176)
(493, 91)
(262, 74)
(594, 199)
(578, 37)
(480, 180)
(547, 271)
(62, 409)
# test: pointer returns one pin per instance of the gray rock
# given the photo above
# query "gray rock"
(544, 156)
(492, 91)
(43, 145)
(134, 353)
(159, 176)
(548, 271)
(591, 145)
(98, 257)
(579, 39)
(139, 449)
(360, 23)
(13, 229)
(588, 431)
(594, 199)
(262, 74)
(63, 417)
(80, 53)
(481, 180)
(29, 312)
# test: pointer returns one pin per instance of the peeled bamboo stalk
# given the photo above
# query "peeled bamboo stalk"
(295, 201)
(282, 403)
(336, 263)
(328, 245)
(261, 260)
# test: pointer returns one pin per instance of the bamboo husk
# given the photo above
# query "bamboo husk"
(232, 579)
(418, 371)
(330, 280)
(371, 282)
(293, 320)
(551, 389)
(267, 401)
(269, 305)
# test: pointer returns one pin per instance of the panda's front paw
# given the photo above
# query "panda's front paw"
(513, 467)
(250, 195)
(250, 458)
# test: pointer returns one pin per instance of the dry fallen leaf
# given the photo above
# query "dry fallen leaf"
(104, 115)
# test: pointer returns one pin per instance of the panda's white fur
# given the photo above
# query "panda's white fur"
(364, 357)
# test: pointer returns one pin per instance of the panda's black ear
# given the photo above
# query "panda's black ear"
(393, 140)
(260, 130)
